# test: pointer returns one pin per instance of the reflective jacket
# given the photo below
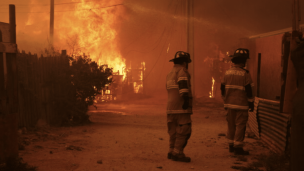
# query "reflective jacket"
(236, 88)
(178, 87)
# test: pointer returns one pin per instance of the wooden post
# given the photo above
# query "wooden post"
(284, 65)
(296, 15)
(63, 53)
(11, 140)
(259, 75)
(2, 99)
(52, 23)
(2, 110)
(9, 98)
(290, 86)
(1, 36)
(190, 43)
(12, 22)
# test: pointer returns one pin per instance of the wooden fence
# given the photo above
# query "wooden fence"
(38, 90)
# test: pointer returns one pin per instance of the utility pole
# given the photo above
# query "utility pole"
(12, 21)
(52, 23)
(190, 42)
(296, 15)
(290, 86)
(259, 74)
(294, 91)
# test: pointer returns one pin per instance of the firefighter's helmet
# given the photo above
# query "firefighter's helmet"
(180, 55)
(241, 52)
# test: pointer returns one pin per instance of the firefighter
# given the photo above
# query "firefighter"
(179, 107)
(236, 89)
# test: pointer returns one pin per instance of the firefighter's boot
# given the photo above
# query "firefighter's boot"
(240, 151)
(180, 157)
(169, 155)
(231, 148)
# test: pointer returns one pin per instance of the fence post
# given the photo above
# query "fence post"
(9, 98)
(259, 75)
(63, 53)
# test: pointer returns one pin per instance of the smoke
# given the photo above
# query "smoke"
(152, 26)
(150, 30)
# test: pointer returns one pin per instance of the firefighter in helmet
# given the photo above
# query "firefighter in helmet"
(236, 89)
(179, 106)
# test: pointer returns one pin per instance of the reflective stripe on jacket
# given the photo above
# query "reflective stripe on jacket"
(237, 88)
(178, 86)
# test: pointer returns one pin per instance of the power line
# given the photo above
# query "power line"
(165, 43)
(171, 32)
(145, 31)
(92, 8)
(64, 3)
(73, 10)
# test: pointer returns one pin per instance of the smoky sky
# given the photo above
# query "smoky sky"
(155, 26)
(153, 30)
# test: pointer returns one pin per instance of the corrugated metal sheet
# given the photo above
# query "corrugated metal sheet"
(272, 124)
(269, 124)
(253, 119)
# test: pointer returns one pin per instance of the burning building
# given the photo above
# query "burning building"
(126, 83)
(135, 78)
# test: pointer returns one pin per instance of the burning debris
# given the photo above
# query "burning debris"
(129, 82)
(211, 93)
(135, 77)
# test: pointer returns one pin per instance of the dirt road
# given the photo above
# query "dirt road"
(133, 137)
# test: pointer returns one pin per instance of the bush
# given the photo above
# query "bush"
(16, 165)
(82, 80)
(58, 89)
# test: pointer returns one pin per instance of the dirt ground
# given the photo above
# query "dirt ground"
(133, 137)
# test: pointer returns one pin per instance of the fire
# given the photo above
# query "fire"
(138, 84)
(143, 67)
(137, 87)
(211, 93)
(91, 30)
(108, 92)
(81, 27)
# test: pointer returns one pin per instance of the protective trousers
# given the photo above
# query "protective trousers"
(237, 120)
(179, 129)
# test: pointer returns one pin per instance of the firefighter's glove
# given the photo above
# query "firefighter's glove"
(186, 103)
(251, 106)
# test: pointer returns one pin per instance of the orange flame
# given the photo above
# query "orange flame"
(93, 32)
(211, 93)
(138, 86)
(85, 26)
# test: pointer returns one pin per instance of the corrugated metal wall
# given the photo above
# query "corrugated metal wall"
(253, 120)
(269, 124)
